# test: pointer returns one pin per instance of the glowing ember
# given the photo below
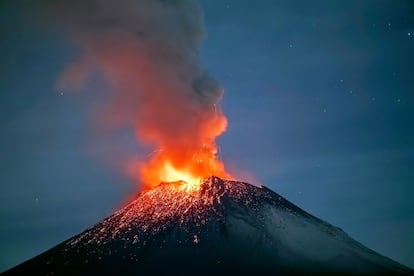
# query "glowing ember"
(161, 207)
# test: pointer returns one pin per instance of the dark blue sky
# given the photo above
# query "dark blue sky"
(319, 97)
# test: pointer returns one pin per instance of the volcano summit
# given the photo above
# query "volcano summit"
(217, 227)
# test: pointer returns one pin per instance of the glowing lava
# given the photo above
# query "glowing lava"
(184, 156)
(171, 174)
(163, 167)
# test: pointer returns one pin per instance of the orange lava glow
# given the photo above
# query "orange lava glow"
(189, 161)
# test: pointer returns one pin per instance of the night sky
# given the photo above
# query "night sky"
(319, 97)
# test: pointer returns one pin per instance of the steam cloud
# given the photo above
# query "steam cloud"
(148, 51)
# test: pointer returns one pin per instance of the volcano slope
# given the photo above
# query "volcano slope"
(219, 227)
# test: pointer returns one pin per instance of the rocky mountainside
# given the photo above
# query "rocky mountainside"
(218, 227)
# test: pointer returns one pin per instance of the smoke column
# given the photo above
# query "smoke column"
(148, 52)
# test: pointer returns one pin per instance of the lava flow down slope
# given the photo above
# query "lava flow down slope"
(216, 227)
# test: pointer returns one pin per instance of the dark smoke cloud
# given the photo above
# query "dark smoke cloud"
(148, 52)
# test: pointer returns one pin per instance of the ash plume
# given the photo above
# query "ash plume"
(148, 52)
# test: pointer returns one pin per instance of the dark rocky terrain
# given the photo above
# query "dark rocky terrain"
(219, 227)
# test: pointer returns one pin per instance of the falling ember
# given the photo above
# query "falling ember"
(148, 54)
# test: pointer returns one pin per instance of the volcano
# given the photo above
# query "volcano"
(218, 227)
